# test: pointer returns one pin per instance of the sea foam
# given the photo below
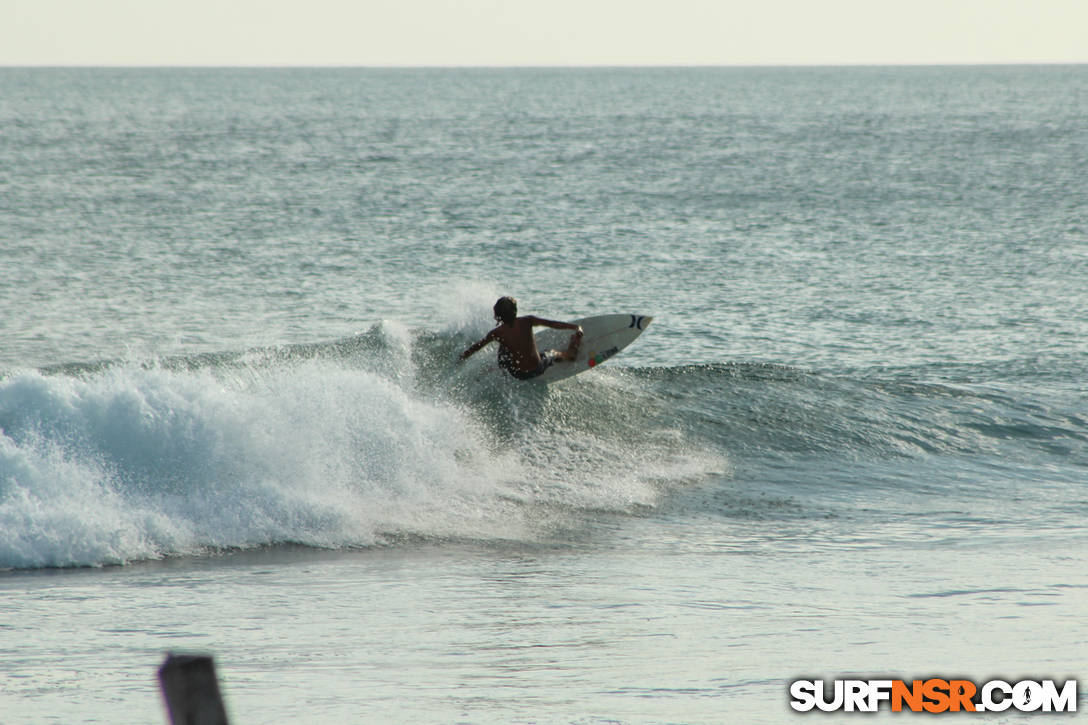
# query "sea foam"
(373, 439)
(136, 463)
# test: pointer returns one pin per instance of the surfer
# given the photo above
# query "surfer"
(518, 354)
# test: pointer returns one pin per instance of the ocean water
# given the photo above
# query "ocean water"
(854, 441)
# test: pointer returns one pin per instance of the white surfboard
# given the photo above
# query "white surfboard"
(604, 336)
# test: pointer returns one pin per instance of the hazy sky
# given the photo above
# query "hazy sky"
(541, 32)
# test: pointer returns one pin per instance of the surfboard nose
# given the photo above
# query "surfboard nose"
(640, 321)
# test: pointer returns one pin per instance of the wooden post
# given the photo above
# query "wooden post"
(191, 690)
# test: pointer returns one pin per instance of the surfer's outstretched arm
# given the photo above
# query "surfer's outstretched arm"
(474, 347)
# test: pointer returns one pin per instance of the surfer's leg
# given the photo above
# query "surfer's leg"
(571, 353)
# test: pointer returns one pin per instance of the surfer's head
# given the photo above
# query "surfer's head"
(506, 310)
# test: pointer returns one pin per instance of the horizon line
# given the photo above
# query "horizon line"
(534, 66)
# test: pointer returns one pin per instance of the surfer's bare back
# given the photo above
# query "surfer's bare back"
(518, 354)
